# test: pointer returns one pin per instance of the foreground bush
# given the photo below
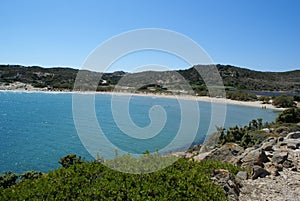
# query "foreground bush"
(291, 115)
(184, 180)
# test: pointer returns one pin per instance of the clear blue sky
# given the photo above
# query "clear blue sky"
(260, 35)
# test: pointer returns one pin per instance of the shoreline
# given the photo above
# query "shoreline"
(257, 104)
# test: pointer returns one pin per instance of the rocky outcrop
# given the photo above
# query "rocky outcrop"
(273, 169)
(284, 187)
(226, 153)
(227, 181)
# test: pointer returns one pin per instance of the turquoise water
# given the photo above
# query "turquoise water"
(37, 129)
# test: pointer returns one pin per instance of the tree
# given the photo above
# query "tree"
(69, 160)
(260, 125)
(283, 101)
(291, 115)
(31, 175)
(8, 179)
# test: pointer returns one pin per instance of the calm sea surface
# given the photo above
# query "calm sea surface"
(37, 129)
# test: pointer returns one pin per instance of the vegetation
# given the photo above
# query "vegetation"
(241, 96)
(246, 136)
(283, 101)
(8, 179)
(264, 99)
(233, 78)
(69, 160)
(253, 134)
(183, 180)
(291, 115)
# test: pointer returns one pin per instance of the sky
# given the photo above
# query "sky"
(259, 35)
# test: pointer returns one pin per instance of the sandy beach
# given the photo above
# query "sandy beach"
(18, 87)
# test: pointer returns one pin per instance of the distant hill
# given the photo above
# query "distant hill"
(234, 78)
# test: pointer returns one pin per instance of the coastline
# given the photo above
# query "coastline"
(182, 97)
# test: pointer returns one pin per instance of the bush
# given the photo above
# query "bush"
(183, 180)
(241, 96)
(283, 101)
(69, 160)
(8, 179)
(264, 99)
(291, 115)
(31, 175)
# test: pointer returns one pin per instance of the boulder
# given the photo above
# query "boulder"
(227, 181)
(292, 143)
(280, 139)
(254, 157)
(242, 175)
(282, 130)
(279, 157)
(201, 156)
(287, 164)
(226, 153)
(272, 168)
(268, 146)
(293, 135)
(258, 171)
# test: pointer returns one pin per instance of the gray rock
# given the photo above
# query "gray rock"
(254, 157)
(292, 143)
(226, 180)
(268, 146)
(258, 171)
(226, 153)
(284, 187)
(272, 168)
(287, 164)
(282, 130)
(280, 139)
(293, 135)
(242, 175)
(279, 157)
(201, 156)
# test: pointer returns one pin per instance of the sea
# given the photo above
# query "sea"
(37, 129)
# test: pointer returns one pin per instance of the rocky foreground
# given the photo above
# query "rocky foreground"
(272, 169)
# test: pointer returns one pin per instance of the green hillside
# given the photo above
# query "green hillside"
(234, 78)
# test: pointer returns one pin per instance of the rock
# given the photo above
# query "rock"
(188, 155)
(226, 153)
(292, 143)
(293, 135)
(242, 175)
(258, 171)
(268, 146)
(180, 154)
(287, 164)
(280, 139)
(226, 180)
(282, 130)
(266, 130)
(279, 157)
(254, 157)
(284, 187)
(201, 156)
(210, 142)
(272, 168)
(282, 143)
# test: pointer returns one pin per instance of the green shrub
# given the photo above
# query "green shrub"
(283, 101)
(291, 115)
(183, 180)
(69, 160)
(8, 179)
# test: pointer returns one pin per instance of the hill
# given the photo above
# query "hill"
(234, 78)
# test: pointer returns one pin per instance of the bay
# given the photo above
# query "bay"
(37, 129)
